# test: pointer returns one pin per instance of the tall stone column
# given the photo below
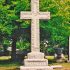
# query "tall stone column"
(35, 39)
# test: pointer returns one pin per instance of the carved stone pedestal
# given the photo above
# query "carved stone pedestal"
(35, 55)
(36, 59)
(36, 62)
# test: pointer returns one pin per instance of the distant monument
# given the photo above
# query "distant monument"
(35, 60)
(59, 56)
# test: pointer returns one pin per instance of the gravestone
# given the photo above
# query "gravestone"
(35, 60)
(69, 48)
(59, 56)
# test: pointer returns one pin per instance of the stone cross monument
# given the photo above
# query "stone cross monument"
(35, 60)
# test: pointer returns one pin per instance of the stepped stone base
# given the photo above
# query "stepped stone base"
(36, 68)
(35, 59)
(36, 62)
(35, 55)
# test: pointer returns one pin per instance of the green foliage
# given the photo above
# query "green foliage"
(58, 27)
(23, 45)
(51, 51)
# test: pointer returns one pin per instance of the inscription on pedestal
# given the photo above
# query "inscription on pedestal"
(35, 62)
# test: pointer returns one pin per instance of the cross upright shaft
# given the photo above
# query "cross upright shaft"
(35, 15)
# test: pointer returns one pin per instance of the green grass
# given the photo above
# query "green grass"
(7, 64)
(65, 65)
(5, 57)
(5, 61)
(50, 57)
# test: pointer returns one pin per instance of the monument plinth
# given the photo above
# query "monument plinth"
(37, 68)
(35, 60)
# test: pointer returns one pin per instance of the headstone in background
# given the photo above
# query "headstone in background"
(59, 56)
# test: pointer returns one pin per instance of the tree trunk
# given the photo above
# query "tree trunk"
(13, 53)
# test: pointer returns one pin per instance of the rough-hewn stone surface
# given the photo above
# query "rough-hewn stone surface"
(35, 55)
(36, 62)
(36, 68)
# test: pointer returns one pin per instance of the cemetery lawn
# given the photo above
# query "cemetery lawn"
(66, 66)
(6, 64)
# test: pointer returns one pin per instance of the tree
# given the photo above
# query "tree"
(57, 28)
(58, 25)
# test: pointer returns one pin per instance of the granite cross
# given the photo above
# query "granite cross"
(35, 15)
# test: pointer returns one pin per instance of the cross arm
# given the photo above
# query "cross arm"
(44, 15)
(25, 15)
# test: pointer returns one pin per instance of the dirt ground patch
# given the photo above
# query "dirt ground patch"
(8, 68)
(63, 69)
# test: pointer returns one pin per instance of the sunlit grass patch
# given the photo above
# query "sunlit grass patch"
(49, 57)
(5, 57)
